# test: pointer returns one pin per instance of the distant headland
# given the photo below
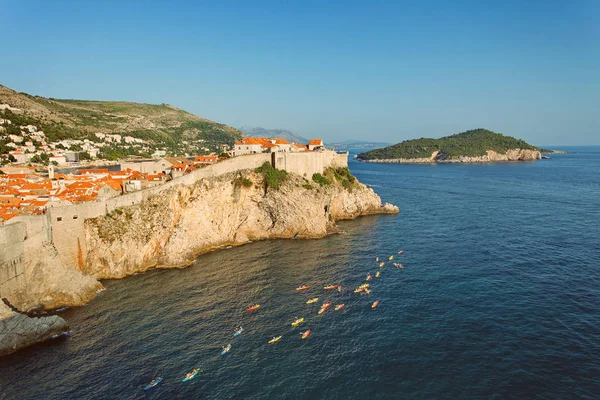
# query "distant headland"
(473, 146)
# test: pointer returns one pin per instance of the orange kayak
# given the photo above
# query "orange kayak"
(305, 334)
(374, 305)
(253, 308)
(305, 287)
(339, 307)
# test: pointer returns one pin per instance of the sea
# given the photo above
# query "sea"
(498, 297)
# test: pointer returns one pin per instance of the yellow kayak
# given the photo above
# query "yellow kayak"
(311, 301)
(298, 322)
(391, 258)
(275, 339)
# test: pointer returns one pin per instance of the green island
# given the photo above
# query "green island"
(472, 144)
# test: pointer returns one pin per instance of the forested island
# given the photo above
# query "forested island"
(477, 145)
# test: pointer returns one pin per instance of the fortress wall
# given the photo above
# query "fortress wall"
(339, 160)
(12, 258)
(125, 200)
(68, 231)
(308, 163)
(64, 225)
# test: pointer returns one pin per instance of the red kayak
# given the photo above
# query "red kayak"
(253, 308)
(305, 287)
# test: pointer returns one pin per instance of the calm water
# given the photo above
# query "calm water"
(500, 298)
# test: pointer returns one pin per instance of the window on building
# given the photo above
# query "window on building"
(75, 217)
(59, 219)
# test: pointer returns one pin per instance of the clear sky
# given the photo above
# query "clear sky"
(375, 70)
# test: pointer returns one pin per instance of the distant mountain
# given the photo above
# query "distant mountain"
(474, 143)
(358, 144)
(273, 133)
(157, 124)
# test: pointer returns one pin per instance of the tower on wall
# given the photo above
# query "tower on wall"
(51, 171)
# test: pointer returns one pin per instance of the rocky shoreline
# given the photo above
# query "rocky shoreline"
(490, 157)
(18, 331)
(172, 228)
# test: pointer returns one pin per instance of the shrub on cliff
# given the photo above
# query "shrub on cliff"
(343, 176)
(242, 181)
(320, 179)
(273, 177)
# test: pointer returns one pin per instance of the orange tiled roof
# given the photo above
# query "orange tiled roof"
(316, 142)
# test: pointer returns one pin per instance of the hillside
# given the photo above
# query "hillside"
(470, 144)
(290, 136)
(162, 126)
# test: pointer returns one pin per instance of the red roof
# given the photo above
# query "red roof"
(316, 142)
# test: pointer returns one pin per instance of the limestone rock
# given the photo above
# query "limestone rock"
(170, 229)
(18, 331)
(52, 284)
(492, 156)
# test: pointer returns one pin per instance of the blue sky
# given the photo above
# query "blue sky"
(375, 70)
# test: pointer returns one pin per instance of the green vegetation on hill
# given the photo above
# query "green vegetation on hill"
(472, 143)
(161, 125)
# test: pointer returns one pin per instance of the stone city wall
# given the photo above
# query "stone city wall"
(63, 226)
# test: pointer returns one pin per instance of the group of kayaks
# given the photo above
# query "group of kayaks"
(364, 288)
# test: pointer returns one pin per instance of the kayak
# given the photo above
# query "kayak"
(382, 264)
(253, 308)
(339, 307)
(368, 277)
(311, 301)
(374, 305)
(391, 258)
(298, 321)
(275, 339)
(305, 287)
(153, 383)
(238, 332)
(305, 334)
(364, 285)
(226, 349)
(376, 259)
(401, 251)
(324, 307)
(378, 274)
(191, 375)
(367, 291)
(360, 289)
(330, 287)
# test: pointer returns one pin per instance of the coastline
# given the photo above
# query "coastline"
(514, 155)
(168, 229)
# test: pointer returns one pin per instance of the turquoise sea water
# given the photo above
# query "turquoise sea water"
(499, 298)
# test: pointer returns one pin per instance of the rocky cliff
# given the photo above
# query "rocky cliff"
(51, 284)
(491, 156)
(170, 229)
(18, 330)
